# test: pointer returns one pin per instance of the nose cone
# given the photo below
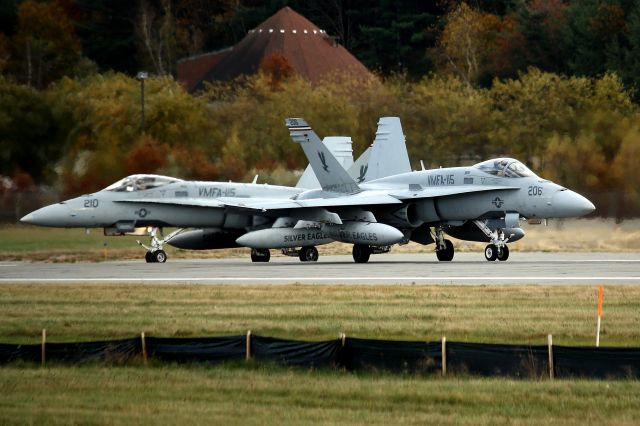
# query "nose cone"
(567, 203)
(55, 215)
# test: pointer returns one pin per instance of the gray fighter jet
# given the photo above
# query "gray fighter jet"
(145, 204)
(484, 202)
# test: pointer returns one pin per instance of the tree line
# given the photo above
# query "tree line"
(479, 40)
(548, 82)
(83, 134)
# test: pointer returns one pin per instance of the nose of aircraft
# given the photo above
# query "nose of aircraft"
(567, 203)
(56, 215)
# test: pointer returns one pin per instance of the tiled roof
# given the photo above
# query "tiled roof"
(311, 52)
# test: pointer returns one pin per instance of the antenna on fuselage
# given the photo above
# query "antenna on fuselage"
(422, 165)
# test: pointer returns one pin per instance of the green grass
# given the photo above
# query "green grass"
(246, 394)
(500, 314)
(255, 393)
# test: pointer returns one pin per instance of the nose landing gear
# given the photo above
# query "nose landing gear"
(498, 248)
(155, 253)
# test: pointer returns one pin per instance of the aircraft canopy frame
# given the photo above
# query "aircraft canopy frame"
(140, 182)
(505, 167)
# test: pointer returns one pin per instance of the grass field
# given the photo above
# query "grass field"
(251, 395)
(500, 314)
(248, 393)
(20, 242)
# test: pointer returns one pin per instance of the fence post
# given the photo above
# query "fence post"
(144, 348)
(248, 355)
(43, 357)
(444, 356)
(550, 350)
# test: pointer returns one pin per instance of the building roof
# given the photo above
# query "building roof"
(310, 51)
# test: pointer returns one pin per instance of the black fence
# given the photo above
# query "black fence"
(351, 354)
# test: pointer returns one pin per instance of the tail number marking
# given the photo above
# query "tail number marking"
(535, 191)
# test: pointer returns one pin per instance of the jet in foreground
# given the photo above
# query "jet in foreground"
(484, 202)
(145, 203)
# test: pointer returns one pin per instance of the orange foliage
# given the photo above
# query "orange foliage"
(23, 180)
(195, 163)
(277, 68)
(146, 156)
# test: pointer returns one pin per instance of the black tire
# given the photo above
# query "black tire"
(503, 254)
(361, 253)
(260, 255)
(148, 256)
(491, 252)
(308, 254)
(446, 255)
(159, 256)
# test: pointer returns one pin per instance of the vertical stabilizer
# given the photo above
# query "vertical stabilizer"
(331, 175)
(340, 147)
(389, 151)
(360, 167)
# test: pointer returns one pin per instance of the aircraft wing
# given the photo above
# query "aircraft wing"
(362, 199)
(187, 201)
(444, 191)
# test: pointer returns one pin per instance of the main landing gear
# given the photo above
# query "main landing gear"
(305, 254)
(444, 248)
(260, 255)
(493, 252)
(498, 249)
(362, 252)
(155, 253)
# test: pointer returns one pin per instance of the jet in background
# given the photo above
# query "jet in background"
(482, 202)
(145, 204)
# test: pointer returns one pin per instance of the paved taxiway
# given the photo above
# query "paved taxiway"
(422, 268)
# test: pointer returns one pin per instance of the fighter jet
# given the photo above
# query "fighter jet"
(145, 204)
(386, 156)
(484, 202)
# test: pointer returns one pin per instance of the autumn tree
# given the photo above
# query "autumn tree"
(277, 68)
(45, 46)
(467, 40)
(26, 130)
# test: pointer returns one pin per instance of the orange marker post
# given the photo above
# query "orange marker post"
(599, 316)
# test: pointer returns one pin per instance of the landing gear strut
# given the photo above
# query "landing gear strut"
(155, 253)
(498, 248)
(444, 248)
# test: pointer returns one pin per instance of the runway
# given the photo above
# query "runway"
(422, 268)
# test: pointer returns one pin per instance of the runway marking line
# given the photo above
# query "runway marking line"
(317, 279)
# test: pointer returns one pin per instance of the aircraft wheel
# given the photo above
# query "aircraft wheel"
(491, 252)
(159, 256)
(446, 255)
(148, 256)
(503, 254)
(260, 255)
(308, 254)
(361, 253)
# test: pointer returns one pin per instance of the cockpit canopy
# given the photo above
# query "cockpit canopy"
(505, 167)
(140, 183)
